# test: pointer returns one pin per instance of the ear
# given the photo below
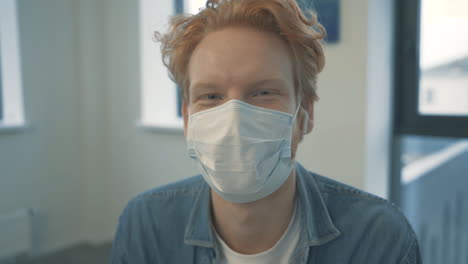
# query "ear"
(185, 116)
(308, 106)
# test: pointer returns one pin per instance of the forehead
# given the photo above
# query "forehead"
(238, 55)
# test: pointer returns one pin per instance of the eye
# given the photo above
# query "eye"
(211, 97)
(262, 93)
(266, 93)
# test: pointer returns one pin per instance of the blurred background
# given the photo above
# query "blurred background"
(89, 118)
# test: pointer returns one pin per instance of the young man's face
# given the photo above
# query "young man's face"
(244, 64)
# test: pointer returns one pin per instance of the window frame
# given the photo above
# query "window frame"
(407, 74)
(1, 86)
(178, 6)
(179, 9)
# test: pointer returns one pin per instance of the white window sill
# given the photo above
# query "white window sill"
(169, 129)
(13, 127)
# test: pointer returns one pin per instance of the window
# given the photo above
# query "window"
(432, 68)
(160, 104)
(190, 6)
(11, 97)
(430, 180)
(434, 195)
(443, 85)
(160, 97)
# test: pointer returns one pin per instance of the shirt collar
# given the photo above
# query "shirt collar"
(317, 221)
(198, 230)
(313, 211)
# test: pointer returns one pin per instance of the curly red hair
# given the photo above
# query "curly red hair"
(282, 17)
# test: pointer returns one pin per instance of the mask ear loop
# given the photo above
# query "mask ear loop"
(306, 116)
(299, 100)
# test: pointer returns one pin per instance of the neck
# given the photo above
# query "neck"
(255, 227)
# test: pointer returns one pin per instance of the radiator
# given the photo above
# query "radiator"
(16, 233)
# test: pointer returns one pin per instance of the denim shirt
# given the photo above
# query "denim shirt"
(340, 224)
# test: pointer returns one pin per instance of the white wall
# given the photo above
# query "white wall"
(336, 146)
(93, 74)
(41, 167)
(140, 159)
(352, 136)
(84, 156)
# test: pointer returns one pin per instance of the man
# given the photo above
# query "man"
(248, 71)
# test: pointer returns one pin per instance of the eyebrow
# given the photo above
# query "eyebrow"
(204, 86)
(273, 80)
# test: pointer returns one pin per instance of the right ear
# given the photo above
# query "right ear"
(305, 122)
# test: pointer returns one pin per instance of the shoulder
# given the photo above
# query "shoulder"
(153, 222)
(165, 197)
(355, 204)
(370, 226)
(333, 191)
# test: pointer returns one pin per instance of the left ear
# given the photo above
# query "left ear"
(308, 116)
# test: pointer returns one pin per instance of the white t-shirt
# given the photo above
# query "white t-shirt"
(281, 252)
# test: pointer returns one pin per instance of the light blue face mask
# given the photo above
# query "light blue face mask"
(242, 151)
